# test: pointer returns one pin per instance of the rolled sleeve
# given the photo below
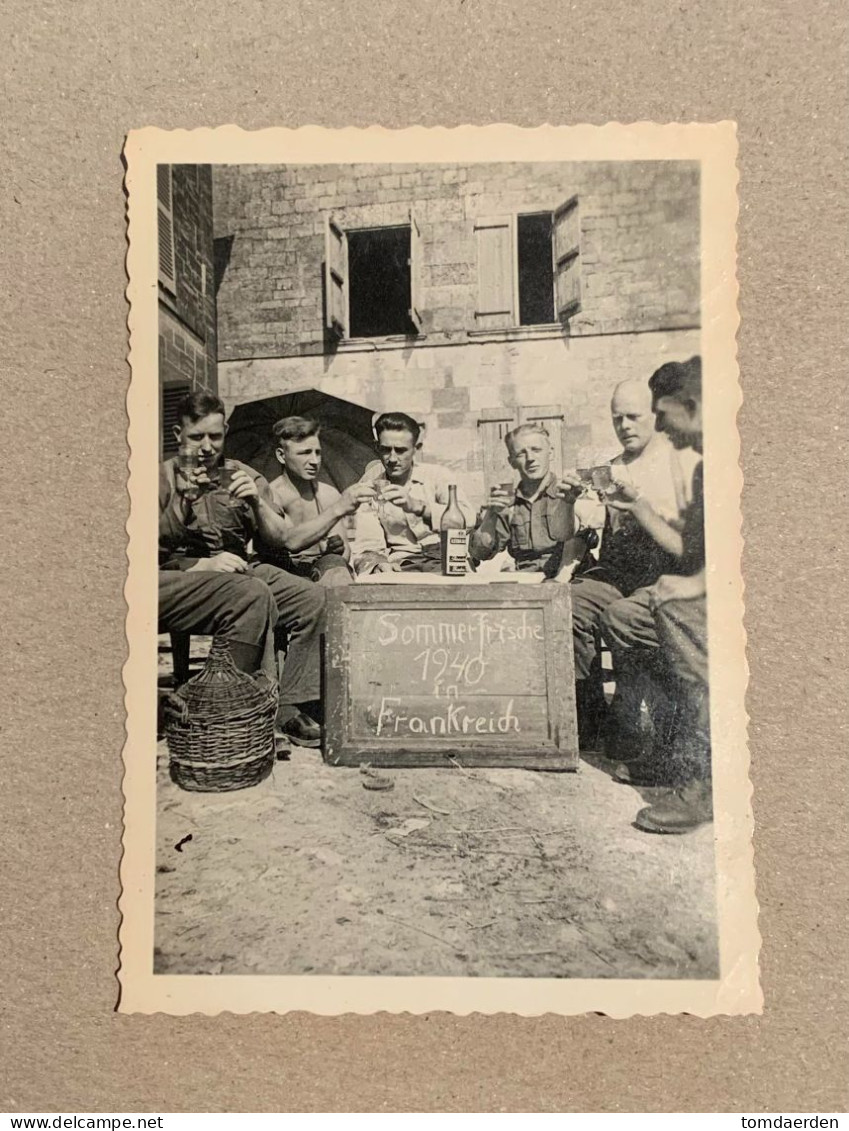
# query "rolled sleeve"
(490, 536)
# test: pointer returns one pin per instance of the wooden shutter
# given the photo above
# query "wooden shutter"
(551, 418)
(496, 301)
(567, 259)
(172, 394)
(165, 223)
(336, 279)
(415, 272)
(493, 426)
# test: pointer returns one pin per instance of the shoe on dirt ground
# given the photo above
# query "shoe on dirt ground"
(683, 810)
(300, 730)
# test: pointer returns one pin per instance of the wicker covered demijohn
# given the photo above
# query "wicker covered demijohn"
(223, 737)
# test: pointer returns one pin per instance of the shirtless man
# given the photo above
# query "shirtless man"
(300, 497)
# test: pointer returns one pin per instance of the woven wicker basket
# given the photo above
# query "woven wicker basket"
(223, 738)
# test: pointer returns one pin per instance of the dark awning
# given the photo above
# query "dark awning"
(347, 442)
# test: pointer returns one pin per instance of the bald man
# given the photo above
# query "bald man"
(653, 489)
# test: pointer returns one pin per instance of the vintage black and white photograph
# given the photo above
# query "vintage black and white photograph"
(438, 689)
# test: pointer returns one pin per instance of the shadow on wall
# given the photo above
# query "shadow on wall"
(222, 249)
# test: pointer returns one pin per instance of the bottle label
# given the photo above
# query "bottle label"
(455, 550)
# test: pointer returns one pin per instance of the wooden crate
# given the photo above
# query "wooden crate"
(416, 675)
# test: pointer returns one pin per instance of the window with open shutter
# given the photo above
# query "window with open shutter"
(415, 272)
(496, 298)
(529, 270)
(534, 276)
(336, 279)
(172, 394)
(567, 258)
(493, 426)
(165, 226)
(373, 280)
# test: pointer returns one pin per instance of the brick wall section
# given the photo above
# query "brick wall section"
(182, 356)
(188, 347)
(639, 241)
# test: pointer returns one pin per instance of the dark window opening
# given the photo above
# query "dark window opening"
(536, 280)
(379, 282)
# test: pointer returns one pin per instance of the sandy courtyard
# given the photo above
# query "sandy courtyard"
(453, 872)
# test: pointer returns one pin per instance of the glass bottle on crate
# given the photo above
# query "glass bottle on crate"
(454, 537)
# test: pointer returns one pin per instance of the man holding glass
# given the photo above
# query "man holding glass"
(645, 492)
(300, 498)
(210, 509)
(398, 531)
(673, 636)
(535, 523)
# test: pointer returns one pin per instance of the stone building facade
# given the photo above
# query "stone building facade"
(188, 349)
(471, 296)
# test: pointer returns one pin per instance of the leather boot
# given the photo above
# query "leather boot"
(685, 809)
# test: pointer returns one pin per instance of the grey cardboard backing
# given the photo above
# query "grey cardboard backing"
(74, 88)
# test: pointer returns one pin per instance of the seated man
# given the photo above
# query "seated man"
(639, 543)
(300, 498)
(536, 526)
(400, 530)
(237, 608)
(205, 525)
(675, 630)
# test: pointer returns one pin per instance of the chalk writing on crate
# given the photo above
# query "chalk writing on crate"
(448, 673)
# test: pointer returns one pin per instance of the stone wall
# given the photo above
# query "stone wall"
(639, 241)
(450, 388)
(183, 357)
(639, 267)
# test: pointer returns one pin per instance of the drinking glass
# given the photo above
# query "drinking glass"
(602, 478)
(188, 463)
(224, 478)
(501, 495)
(380, 500)
(585, 474)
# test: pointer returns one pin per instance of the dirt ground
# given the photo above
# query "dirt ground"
(452, 872)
